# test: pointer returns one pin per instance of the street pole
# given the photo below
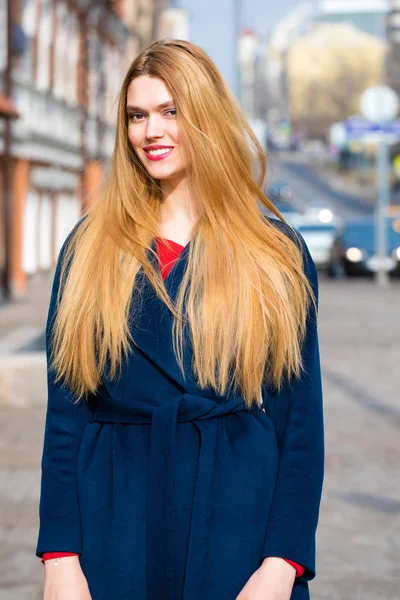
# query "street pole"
(7, 197)
(383, 171)
(379, 105)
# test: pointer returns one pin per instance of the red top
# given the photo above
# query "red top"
(168, 253)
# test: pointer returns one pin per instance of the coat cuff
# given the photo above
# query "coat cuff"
(302, 553)
(299, 569)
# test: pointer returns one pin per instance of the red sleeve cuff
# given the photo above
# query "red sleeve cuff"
(50, 555)
(299, 568)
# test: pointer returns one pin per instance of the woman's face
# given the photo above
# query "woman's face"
(153, 128)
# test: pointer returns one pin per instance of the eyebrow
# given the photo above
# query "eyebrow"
(129, 107)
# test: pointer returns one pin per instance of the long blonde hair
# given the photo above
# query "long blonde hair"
(243, 296)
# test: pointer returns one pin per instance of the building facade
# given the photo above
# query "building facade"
(367, 15)
(393, 56)
(328, 69)
(7, 113)
(328, 35)
(65, 71)
(249, 52)
(275, 61)
(144, 17)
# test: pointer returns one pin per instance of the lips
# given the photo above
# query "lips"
(157, 152)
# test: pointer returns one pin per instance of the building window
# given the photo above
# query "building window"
(113, 64)
(93, 73)
(66, 55)
(28, 22)
(60, 49)
(30, 233)
(3, 36)
(72, 56)
(45, 231)
(68, 211)
(43, 47)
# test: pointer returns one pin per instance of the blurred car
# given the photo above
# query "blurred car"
(315, 149)
(279, 191)
(319, 238)
(320, 211)
(289, 212)
(353, 250)
(313, 146)
(280, 194)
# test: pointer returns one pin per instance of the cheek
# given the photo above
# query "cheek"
(134, 136)
(173, 132)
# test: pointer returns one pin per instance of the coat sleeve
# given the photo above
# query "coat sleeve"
(296, 411)
(59, 528)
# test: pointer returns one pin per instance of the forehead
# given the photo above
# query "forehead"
(147, 92)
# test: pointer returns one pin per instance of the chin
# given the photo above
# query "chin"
(160, 173)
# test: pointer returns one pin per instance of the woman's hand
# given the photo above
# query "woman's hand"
(273, 580)
(65, 581)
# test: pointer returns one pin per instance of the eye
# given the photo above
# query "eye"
(134, 117)
(171, 111)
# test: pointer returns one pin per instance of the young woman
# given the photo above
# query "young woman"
(183, 452)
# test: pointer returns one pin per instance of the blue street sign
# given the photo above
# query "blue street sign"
(392, 127)
(360, 127)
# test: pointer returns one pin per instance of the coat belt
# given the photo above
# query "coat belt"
(161, 485)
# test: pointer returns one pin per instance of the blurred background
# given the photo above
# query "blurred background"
(318, 82)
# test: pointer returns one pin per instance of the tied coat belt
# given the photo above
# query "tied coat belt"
(161, 485)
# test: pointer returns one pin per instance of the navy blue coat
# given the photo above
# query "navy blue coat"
(170, 492)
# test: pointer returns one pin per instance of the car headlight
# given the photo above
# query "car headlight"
(396, 254)
(354, 255)
(325, 215)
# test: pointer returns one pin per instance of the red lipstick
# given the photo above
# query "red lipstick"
(158, 156)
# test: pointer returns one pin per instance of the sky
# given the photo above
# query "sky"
(260, 15)
(212, 26)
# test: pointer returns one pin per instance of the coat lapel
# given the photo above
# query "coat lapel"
(152, 320)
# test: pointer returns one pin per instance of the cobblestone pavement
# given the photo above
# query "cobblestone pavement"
(359, 533)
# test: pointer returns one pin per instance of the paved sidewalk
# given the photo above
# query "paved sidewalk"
(349, 183)
(359, 533)
(23, 319)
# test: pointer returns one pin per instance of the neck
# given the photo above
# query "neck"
(177, 210)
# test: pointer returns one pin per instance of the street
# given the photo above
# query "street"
(293, 168)
(359, 532)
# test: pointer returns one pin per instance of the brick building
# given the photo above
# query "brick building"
(63, 74)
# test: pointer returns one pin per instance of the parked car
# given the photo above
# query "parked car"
(280, 194)
(289, 212)
(316, 147)
(319, 238)
(319, 211)
(353, 251)
(279, 190)
(314, 150)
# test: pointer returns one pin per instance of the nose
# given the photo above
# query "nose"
(155, 127)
